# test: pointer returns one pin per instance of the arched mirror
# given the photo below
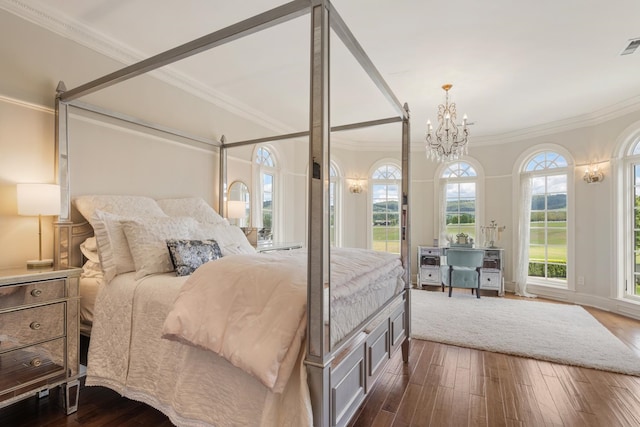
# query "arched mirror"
(238, 204)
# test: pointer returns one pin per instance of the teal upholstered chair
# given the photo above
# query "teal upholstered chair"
(462, 269)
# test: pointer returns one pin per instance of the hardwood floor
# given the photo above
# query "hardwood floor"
(442, 385)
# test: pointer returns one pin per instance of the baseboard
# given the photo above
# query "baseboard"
(613, 305)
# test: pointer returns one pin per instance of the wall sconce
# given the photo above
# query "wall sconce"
(355, 187)
(593, 174)
(38, 200)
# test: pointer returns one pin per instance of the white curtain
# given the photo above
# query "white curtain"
(443, 213)
(522, 253)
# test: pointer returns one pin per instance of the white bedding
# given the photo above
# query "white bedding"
(89, 287)
(194, 386)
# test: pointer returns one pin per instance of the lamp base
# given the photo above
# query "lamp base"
(40, 263)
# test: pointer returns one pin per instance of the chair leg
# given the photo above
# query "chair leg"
(450, 289)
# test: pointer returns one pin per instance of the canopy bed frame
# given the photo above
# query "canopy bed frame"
(340, 377)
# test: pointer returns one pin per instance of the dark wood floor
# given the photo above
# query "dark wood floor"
(442, 385)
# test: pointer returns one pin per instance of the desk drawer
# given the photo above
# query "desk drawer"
(31, 293)
(430, 275)
(26, 365)
(490, 279)
(24, 327)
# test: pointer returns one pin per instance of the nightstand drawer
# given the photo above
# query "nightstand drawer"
(24, 327)
(32, 293)
(27, 365)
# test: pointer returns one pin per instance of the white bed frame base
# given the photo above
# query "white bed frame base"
(339, 378)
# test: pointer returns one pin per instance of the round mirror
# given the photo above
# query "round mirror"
(238, 204)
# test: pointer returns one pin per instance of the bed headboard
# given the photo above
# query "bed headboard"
(108, 156)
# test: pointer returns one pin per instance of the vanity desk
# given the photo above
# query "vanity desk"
(430, 260)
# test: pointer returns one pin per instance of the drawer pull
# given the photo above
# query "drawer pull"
(35, 362)
(36, 292)
(35, 325)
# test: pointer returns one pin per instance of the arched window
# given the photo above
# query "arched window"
(459, 200)
(632, 220)
(545, 217)
(385, 208)
(265, 193)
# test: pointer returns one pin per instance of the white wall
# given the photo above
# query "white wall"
(36, 60)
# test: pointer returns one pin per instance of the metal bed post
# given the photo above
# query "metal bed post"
(318, 351)
(405, 248)
(222, 192)
(62, 227)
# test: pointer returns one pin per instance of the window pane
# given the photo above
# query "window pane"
(536, 236)
(385, 221)
(556, 184)
(548, 225)
(537, 202)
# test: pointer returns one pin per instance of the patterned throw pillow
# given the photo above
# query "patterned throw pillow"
(187, 255)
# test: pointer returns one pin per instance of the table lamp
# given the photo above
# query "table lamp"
(236, 209)
(38, 199)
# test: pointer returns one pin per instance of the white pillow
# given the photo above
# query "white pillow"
(194, 207)
(89, 249)
(119, 205)
(148, 241)
(91, 270)
(113, 249)
(231, 239)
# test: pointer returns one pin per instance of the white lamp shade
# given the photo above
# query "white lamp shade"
(38, 199)
(236, 209)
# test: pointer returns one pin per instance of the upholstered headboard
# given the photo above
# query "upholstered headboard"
(107, 156)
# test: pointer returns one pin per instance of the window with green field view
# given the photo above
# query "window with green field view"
(385, 191)
(460, 194)
(548, 224)
(266, 164)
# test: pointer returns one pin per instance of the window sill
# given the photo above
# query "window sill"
(550, 283)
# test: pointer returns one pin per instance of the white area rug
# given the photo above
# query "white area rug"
(560, 333)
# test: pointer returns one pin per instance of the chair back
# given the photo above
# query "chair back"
(465, 257)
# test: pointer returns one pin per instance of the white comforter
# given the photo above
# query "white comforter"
(197, 387)
(250, 309)
(192, 386)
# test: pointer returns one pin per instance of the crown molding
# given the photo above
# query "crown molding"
(49, 19)
(25, 104)
(594, 118)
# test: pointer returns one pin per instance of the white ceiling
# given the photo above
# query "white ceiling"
(516, 67)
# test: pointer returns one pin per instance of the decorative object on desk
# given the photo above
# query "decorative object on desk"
(593, 174)
(38, 199)
(519, 327)
(450, 140)
(462, 238)
(492, 233)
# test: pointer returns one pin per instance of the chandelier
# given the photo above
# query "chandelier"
(450, 140)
